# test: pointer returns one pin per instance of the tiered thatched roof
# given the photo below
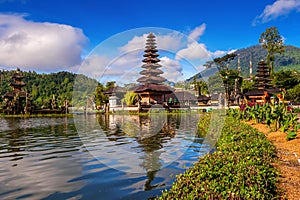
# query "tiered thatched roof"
(151, 73)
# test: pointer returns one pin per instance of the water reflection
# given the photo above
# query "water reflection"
(111, 156)
(157, 139)
(37, 162)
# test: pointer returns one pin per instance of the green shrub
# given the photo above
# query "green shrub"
(241, 168)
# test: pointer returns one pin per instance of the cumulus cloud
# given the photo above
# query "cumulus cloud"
(172, 69)
(122, 69)
(278, 8)
(194, 51)
(197, 32)
(94, 65)
(170, 42)
(39, 46)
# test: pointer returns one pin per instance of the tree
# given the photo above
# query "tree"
(247, 85)
(222, 61)
(110, 84)
(229, 78)
(200, 87)
(293, 94)
(272, 41)
(100, 97)
(286, 79)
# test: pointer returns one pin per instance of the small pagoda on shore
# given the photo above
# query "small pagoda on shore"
(263, 88)
(151, 88)
(16, 101)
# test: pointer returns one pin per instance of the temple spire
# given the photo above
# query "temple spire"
(151, 73)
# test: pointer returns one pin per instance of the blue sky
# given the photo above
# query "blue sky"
(52, 35)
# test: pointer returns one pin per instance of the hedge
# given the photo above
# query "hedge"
(241, 168)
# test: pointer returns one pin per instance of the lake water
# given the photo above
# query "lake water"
(96, 156)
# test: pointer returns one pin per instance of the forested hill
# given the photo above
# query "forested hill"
(42, 87)
(290, 59)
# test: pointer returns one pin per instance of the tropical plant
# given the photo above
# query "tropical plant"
(130, 98)
(274, 116)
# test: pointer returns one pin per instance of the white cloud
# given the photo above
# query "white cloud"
(136, 43)
(39, 46)
(278, 8)
(122, 69)
(170, 42)
(197, 32)
(194, 51)
(172, 69)
(94, 65)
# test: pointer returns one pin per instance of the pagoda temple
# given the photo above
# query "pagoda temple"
(15, 100)
(151, 88)
(263, 88)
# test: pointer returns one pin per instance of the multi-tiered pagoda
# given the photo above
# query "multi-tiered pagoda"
(263, 88)
(152, 90)
(151, 72)
(263, 76)
(15, 100)
(17, 84)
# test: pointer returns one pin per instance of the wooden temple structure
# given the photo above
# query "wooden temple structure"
(151, 89)
(263, 88)
(15, 101)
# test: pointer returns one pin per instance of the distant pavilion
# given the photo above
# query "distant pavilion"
(263, 88)
(16, 99)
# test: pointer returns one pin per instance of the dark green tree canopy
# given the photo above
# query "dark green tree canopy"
(272, 41)
(286, 79)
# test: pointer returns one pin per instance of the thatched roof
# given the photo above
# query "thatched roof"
(260, 92)
(116, 89)
(203, 98)
(12, 94)
(151, 79)
(153, 88)
(182, 96)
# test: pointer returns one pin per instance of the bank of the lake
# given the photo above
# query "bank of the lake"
(241, 168)
(36, 115)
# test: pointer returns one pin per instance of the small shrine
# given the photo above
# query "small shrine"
(151, 89)
(16, 101)
(263, 88)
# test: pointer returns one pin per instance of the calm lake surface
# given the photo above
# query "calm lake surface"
(96, 156)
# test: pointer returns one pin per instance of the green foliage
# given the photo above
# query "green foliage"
(247, 86)
(42, 87)
(215, 84)
(224, 80)
(273, 43)
(222, 61)
(240, 169)
(286, 79)
(200, 86)
(100, 98)
(274, 116)
(130, 98)
(288, 60)
(293, 94)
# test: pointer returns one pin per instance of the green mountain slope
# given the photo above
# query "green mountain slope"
(42, 87)
(290, 59)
